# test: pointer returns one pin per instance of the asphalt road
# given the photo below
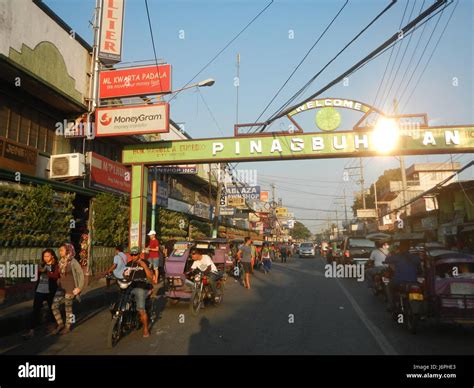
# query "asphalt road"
(293, 310)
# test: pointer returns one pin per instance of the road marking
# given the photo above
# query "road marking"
(379, 337)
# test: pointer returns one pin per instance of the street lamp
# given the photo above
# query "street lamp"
(201, 84)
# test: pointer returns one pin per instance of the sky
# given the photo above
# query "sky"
(188, 34)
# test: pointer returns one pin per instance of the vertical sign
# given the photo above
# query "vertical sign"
(111, 31)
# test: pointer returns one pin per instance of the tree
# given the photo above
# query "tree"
(382, 183)
(300, 232)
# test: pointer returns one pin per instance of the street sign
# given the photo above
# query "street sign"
(132, 120)
(136, 81)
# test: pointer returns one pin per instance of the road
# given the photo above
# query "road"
(293, 310)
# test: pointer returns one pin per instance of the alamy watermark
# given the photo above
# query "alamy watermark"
(345, 271)
(19, 271)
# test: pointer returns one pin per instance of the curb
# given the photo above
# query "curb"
(95, 299)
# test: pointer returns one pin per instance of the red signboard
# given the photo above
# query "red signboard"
(107, 175)
(137, 81)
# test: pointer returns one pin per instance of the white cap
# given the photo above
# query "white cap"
(151, 232)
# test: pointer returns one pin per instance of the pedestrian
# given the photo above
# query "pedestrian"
(70, 285)
(154, 255)
(266, 259)
(283, 253)
(45, 288)
(118, 266)
(162, 259)
(246, 256)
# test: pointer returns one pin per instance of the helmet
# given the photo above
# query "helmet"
(134, 251)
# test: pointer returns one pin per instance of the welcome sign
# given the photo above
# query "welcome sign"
(429, 140)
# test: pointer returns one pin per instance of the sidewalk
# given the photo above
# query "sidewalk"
(16, 318)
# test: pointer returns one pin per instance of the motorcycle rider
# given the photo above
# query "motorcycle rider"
(377, 257)
(406, 267)
(204, 263)
(138, 270)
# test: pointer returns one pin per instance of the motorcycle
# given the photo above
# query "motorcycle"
(380, 281)
(202, 291)
(125, 318)
(409, 303)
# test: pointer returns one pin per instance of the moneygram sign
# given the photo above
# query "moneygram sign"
(137, 81)
(132, 120)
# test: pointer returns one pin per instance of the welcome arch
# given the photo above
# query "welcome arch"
(359, 142)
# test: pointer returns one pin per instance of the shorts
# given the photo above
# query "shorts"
(155, 263)
(140, 295)
(247, 267)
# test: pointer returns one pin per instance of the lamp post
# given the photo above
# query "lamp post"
(204, 83)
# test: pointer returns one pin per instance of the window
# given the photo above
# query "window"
(4, 114)
(34, 129)
(24, 125)
(14, 122)
(43, 131)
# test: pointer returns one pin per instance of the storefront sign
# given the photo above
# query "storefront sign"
(179, 206)
(264, 196)
(202, 210)
(107, 175)
(138, 81)
(249, 193)
(18, 157)
(132, 120)
(178, 169)
(226, 211)
(432, 140)
(110, 40)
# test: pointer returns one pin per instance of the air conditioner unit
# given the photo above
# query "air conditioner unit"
(67, 166)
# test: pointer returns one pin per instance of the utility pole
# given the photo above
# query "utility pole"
(237, 89)
(376, 203)
(218, 204)
(337, 226)
(402, 163)
(362, 182)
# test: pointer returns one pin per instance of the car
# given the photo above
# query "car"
(307, 250)
(356, 250)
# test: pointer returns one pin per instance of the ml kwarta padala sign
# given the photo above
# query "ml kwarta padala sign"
(325, 144)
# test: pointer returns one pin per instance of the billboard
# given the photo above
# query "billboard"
(107, 175)
(367, 213)
(264, 196)
(111, 31)
(132, 120)
(281, 212)
(137, 81)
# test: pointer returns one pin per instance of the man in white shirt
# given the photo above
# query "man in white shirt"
(204, 263)
(377, 256)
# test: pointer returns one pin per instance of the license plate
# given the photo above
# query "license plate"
(415, 296)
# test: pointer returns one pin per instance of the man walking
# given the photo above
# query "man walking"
(246, 256)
